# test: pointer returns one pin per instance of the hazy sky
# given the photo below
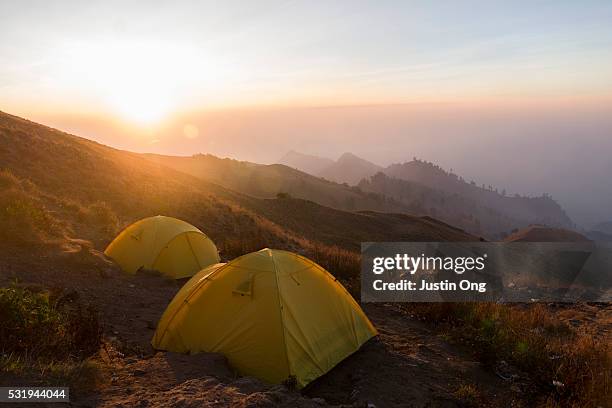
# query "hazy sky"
(143, 61)
(461, 83)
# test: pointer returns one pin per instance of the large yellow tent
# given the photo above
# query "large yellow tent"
(173, 247)
(274, 314)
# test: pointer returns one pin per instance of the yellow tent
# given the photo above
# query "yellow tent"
(173, 247)
(274, 314)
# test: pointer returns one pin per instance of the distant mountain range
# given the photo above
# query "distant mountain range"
(424, 188)
(306, 162)
(415, 187)
(349, 168)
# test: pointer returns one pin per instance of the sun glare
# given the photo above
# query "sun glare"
(143, 83)
(141, 105)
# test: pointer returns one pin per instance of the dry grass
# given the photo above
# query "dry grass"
(82, 376)
(47, 339)
(30, 217)
(43, 327)
(568, 368)
(100, 215)
(23, 216)
(344, 265)
(469, 396)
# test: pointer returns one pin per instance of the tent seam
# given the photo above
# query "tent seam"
(156, 224)
(164, 247)
(282, 319)
(191, 249)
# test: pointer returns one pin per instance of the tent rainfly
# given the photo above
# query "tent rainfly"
(173, 247)
(274, 314)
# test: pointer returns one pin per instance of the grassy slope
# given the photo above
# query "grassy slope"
(76, 169)
(539, 233)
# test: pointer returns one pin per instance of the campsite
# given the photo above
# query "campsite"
(305, 204)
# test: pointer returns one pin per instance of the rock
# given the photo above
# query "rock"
(319, 401)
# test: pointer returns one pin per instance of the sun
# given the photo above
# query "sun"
(142, 105)
(142, 86)
(141, 82)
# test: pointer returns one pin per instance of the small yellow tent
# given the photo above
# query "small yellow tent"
(274, 314)
(173, 247)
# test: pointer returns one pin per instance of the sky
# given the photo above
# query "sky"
(460, 83)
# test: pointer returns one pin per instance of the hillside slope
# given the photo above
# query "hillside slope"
(543, 209)
(267, 181)
(378, 193)
(77, 170)
(540, 233)
(463, 210)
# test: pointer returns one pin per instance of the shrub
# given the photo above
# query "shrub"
(23, 218)
(36, 327)
(344, 265)
(102, 215)
(235, 246)
(7, 180)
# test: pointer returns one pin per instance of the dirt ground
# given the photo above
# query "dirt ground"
(407, 365)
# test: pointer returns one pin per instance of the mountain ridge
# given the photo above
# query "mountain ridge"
(73, 173)
(349, 169)
(476, 209)
(498, 213)
(308, 163)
